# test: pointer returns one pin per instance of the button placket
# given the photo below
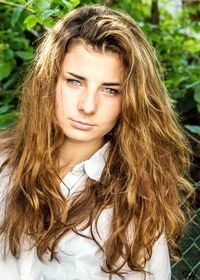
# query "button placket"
(26, 264)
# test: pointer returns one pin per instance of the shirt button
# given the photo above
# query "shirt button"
(77, 171)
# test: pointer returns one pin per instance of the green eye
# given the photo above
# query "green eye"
(111, 91)
(73, 82)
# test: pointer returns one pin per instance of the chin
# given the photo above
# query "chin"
(80, 138)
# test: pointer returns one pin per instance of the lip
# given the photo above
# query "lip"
(81, 125)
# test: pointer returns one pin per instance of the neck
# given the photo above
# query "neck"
(72, 153)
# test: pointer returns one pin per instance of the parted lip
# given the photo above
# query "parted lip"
(81, 122)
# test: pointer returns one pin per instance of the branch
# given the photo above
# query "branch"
(192, 137)
(108, 3)
(155, 12)
(16, 5)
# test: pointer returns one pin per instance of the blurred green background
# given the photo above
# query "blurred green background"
(172, 27)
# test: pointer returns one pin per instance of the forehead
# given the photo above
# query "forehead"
(85, 59)
(81, 46)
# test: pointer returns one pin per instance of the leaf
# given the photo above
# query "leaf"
(5, 69)
(18, 43)
(48, 13)
(31, 21)
(12, 81)
(4, 46)
(75, 2)
(193, 128)
(192, 45)
(42, 5)
(193, 84)
(197, 93)
(48, 22)
(16, 14)
(25, 55)
(8, 54)
(7, 97)
(4, 109)
(67, 4)
(7, 120)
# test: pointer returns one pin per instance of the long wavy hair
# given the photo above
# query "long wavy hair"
(144, 177)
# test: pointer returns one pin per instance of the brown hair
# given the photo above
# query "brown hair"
(144, 177)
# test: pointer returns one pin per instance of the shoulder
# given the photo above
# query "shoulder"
(4, 170)
(159, 264)
(5, 174)
(158, 267)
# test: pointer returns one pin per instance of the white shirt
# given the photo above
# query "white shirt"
(79, 257)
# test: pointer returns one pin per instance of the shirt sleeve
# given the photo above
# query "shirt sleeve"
(158, 266)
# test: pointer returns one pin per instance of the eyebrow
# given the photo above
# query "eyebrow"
(84, 79)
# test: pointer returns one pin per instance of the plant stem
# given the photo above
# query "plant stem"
(16, 5)
(193, 138)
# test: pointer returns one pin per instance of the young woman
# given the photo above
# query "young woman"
(92, 175)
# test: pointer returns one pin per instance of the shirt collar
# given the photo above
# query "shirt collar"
(95, 165)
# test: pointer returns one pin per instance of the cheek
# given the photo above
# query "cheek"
(111, 113)
(115, 109)
(58, 105)
(63, 101)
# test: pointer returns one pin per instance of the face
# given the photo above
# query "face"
(88, 94)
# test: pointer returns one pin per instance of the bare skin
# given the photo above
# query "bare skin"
(88, 102)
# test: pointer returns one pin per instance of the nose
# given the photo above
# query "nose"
(88, 102)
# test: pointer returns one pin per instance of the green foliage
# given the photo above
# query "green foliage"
(22, 22)
(193, 128)
(175, 38)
